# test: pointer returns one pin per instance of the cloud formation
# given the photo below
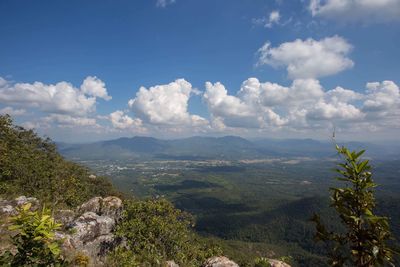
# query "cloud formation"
(356, 10)
(308, 58)
(303, 105)
(12, 112)
(121, 121)
(273, 18)
(268, 22)
(164, 3)
(165, 104)
(60, 98)
(63, 120)
(95, 87)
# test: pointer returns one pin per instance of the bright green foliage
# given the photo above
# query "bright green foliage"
(34, 239)
(123, 257)
(156, 232)
(262, 262)
(31, 165)
(365, 240)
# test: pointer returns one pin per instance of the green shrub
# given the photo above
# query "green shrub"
(123, 257)
(262, 262)
(364, 242)
(34, 239)
(155, 232)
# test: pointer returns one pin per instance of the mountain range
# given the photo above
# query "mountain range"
(202, 148)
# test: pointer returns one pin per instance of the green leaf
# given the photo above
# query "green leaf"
(359, 153)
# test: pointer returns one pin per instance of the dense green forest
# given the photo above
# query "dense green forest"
(31, 166)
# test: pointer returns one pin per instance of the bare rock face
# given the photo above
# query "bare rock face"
(89, 226)
(66, 217)
(19, 201)
(111, 207)
(92, 205)
(9, 207)
(89, 229)
(220, 262)
(6, 208)
(108, 206)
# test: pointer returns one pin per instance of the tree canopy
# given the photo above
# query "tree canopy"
(31, 165)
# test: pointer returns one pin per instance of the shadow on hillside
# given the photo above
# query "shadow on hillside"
(208, 205)
(185, 185)
(289, 222)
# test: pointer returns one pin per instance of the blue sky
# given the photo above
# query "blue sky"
(73, 69)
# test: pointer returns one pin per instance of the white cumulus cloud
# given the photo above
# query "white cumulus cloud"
(165, 104)
(308, 58)
(382, 96)
(244, 110)
(95, 87)
(302, 105)
(60, 98)
(357, 10)
(120, 120)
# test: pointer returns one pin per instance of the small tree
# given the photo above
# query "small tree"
(155, 232)
(34, 239)
(364, 243)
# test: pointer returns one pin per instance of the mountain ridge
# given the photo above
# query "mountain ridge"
(228, 147)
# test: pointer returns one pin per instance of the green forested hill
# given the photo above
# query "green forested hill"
(31, 166)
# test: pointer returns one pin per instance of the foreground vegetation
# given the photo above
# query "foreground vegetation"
(156, 232)
(153, 229)
(364, 242)
(34, 239)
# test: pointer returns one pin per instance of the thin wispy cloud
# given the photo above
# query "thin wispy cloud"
(164, 3)
(274, 18)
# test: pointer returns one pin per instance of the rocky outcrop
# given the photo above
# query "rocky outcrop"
(86, 231)
(220, 262)
(109, 206)
(9, 207)
(89, 229)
